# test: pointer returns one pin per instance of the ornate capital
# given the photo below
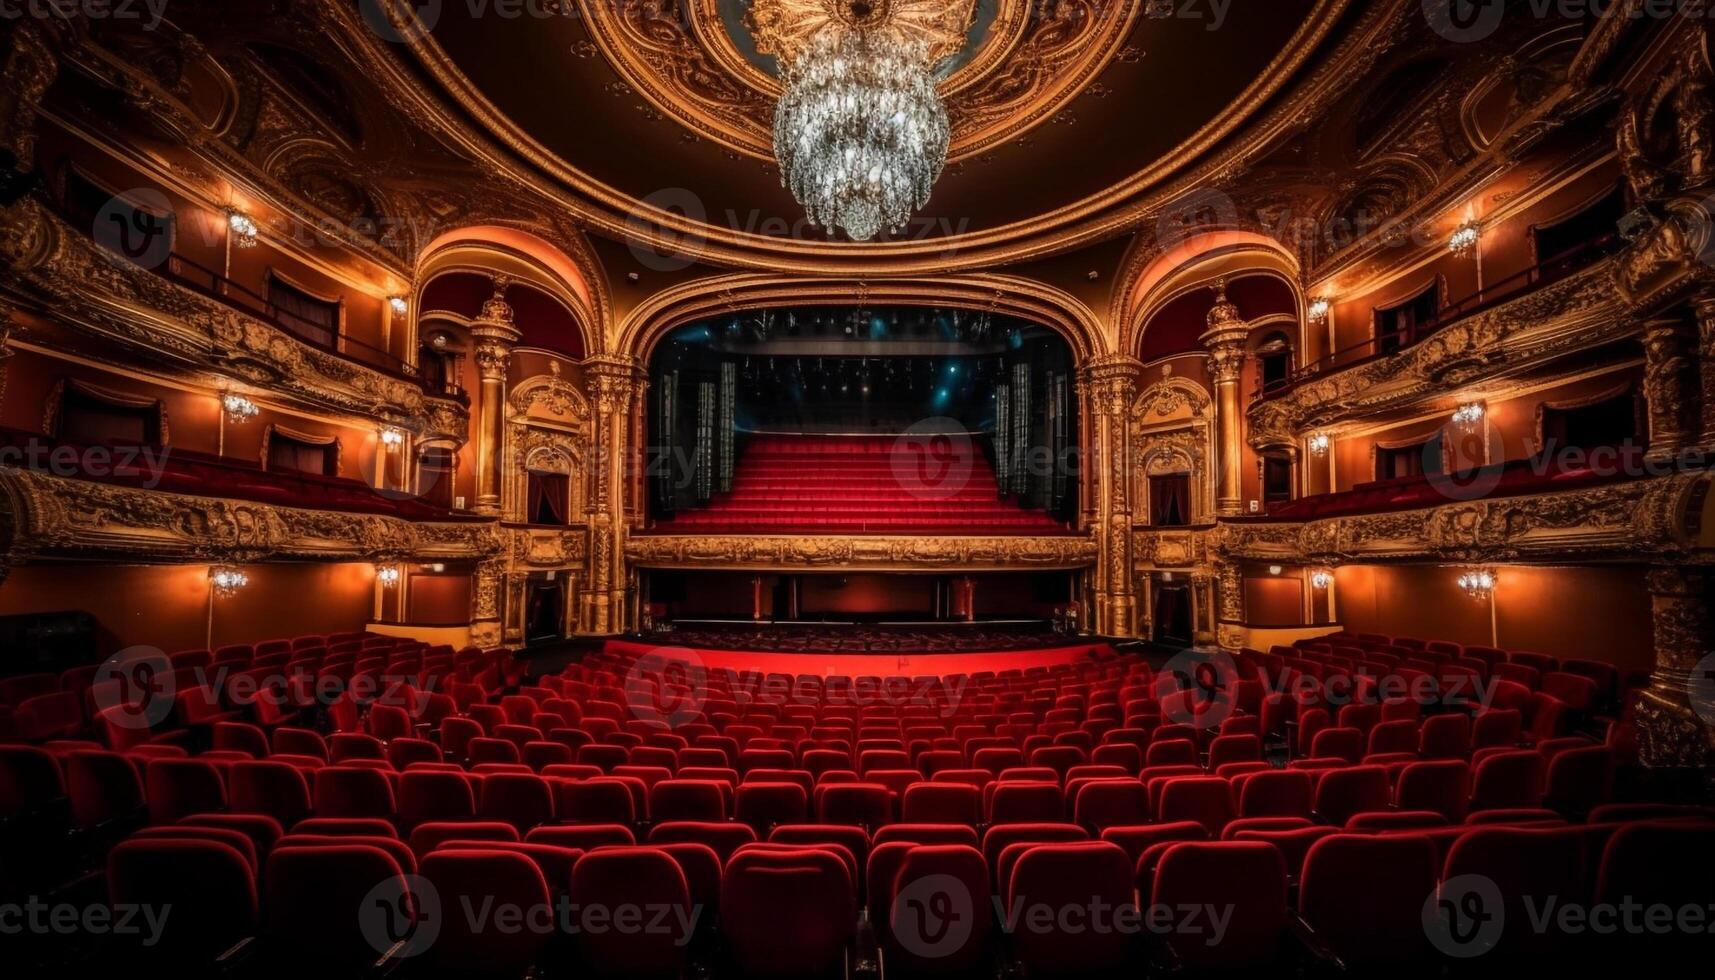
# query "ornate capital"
(1111, 382)
(1226, 337)
(612, 383)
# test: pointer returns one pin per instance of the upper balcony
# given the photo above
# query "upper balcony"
(1564, 304)
(175, 313)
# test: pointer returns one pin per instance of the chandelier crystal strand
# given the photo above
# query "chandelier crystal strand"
(860, 133)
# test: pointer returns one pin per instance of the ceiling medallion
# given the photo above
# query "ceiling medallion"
(860, 132)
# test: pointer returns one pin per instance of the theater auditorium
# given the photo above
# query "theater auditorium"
(856, 489)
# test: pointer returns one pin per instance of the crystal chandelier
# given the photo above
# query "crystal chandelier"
(860, 132)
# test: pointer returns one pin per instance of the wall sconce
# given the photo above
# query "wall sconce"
(1275, 569)
(400, 307)
(1321, 579)
(1320, 443)
(1319, 309)
(243, 227)
(392, 438)
(1469, 413)
(1465, 238)
(238, 408)
(227, 581)
(387, 575)
(437, 568)
(1478, 583)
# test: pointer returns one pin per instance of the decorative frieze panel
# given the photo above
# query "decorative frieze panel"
(1172, 549)
(53, 266)
(46, 517)
(1580, 312)
(540, 548)
(1638, 520)
(796, 553)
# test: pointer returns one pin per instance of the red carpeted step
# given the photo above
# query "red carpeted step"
(862, 485)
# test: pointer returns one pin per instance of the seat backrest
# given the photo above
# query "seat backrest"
(346, 791)
(486, 878)
(1441, 785)
(1278, 793)
(1520, 869)
(1084, 875)
(1246, 879)
(1364, 895)
(935, 911)
(1511, 779)
(426, 837)
(644, 879)
(208, 884)
(721, 837)
(177, 788)
(1207, 800)
(334, 904)
(1340, 793)
(787, 913)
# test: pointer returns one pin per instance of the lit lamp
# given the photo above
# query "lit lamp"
(1319, 309)
(391, 437)
(1465, 238)
(1275, 569)
(238, 408)
(400, 307)
(1469, 413)
(227, 581)
(1320, 443)
(387, 575)
(1321, 578)
(1478, 583)
(243, 227)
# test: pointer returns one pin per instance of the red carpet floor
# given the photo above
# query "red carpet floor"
(862, 485)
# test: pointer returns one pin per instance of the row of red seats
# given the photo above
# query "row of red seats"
(793, 906)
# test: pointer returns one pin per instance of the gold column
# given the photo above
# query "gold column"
(615, 387)
(1225, 341)
(495, 336)
(1110, 386)
(1706, 368)
(1230, 617)
(1670, 386)
(1674, 714)
(485, 603)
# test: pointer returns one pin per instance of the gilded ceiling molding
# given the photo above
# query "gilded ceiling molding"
(797, 553)
(52, 518)
(564, 267)
(76, 281)
(1580, 312)
(1100, 216)
(1150, 278)
(1026, 298)
(1026, 67)
(1649, 519)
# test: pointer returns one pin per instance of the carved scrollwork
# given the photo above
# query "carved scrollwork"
(873, 553)
(1638, 519)
(1578, 313)
(153, 317)
(59, 518)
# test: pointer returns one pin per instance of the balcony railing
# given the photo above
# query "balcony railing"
(201, 279)
(1512, 287)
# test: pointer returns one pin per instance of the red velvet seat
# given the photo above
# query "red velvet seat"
(641, 878)
(1381, 921)
(486, 946)
(209, 886)
(789, 913)
(1080, 875)
(334, 907)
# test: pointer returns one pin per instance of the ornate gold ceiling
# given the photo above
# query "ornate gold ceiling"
(1022, 68)
(1065, 112)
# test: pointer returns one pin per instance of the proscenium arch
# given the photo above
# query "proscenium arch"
(1146, 286)
(527, 258)
(1027, 299)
